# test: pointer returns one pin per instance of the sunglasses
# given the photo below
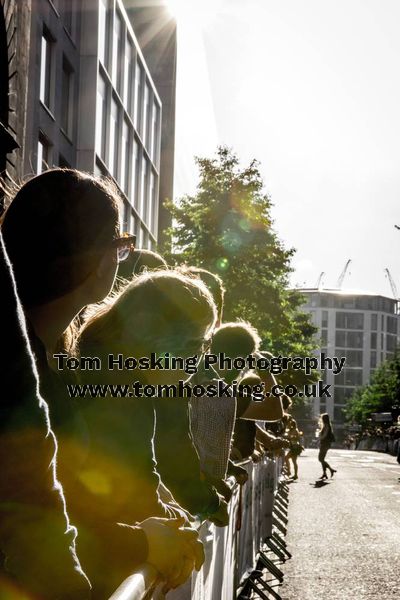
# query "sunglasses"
(124, 245)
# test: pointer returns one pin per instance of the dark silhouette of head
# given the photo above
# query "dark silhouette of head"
(160, 311)
(214, 284)
(140, 260)
(57, 230)
(236, 339)
(325, 420)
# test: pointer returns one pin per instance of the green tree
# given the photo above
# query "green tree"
(226, 227)
(378, 396)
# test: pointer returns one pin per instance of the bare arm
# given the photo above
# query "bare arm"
(270, 408)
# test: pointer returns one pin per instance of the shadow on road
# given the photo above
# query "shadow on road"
(320, 483)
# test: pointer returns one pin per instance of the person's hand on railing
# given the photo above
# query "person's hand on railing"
(239, 473)
(257, 456)
(174, 550)
(224, 488)
(220, 518)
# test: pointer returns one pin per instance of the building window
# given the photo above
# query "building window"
(391, 343)
(349, 339)
(141, 237)
(373, 360)
(344, 302)
(338, 414)
(340, 339)
(354, 358)
(324, 336)
(114, 137)
(325, 317)
(135, 175)
(152, 203)
(341, 394)
(391, 325)
(137, 107)
(146, 110)
(46, 69)
(116, 68)
(355, 339)
(67, 97)
(143, 208)
(325, 301)
(101, 118)
(104, 32)
(125, 159)
(154, 134)
(373, 340)
(374, 322)
(126, 224)
(43, 154)
(128, 72)
(348, 320)
(349, 377)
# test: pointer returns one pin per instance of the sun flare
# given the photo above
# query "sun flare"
(194, 12)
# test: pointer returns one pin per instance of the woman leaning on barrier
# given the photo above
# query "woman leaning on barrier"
(60, 264)
(160, 312)
(61, 233)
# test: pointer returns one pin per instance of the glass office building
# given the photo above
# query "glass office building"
(362, 328)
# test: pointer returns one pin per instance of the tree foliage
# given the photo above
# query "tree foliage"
(226, 227)
(379, 396)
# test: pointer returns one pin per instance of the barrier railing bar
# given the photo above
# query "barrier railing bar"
(138, 586)
(142, 584)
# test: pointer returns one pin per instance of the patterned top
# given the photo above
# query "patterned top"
(212, 422)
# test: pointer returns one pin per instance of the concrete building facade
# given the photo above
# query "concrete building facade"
(15, 21)
(362, 328)
(91, 102)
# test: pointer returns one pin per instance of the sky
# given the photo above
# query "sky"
(311, 89)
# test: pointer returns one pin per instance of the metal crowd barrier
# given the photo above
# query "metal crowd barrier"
(231, 552)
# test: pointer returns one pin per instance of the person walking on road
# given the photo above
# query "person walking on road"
(326, 438)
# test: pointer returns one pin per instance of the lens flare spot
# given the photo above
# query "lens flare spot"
(231, 241)
(222, 264)
(96, 482)
(245, 225)
(10, 591)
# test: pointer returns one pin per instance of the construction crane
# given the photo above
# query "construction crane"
(318, 285)
(343, 275)
(392, 284)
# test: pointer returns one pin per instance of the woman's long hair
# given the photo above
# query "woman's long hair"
(159, 311)
(56, 230)
(325, 421)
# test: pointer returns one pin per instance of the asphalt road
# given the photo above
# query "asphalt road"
(344, 535)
